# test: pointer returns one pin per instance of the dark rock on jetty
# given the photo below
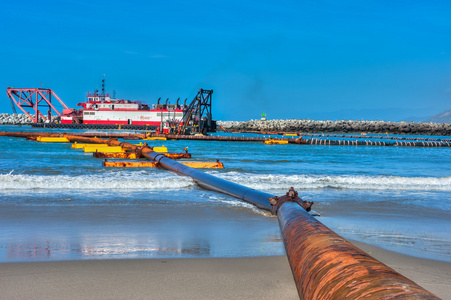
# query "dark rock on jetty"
(343, 126)
(14, 119)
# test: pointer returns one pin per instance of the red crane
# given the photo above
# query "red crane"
(35, 98)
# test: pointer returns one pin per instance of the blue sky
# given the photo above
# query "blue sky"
(385, 60)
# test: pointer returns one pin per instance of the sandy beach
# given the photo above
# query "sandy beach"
(198, 278)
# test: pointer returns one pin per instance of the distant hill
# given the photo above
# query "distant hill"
(443, 117)
(415, 119)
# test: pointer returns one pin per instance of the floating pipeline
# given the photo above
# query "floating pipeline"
(312, 141)
(374, 143)
(300, 140)
(324, 265)
(34, 135)
(210, 138)
(133, 136)
(290, 126)
(378, 137)
(300, 134)
(144, 136)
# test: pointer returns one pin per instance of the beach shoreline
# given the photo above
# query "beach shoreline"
(188, 278)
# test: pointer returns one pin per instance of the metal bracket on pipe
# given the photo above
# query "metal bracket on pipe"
(291, 196)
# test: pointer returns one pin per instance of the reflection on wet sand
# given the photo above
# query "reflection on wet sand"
(200, 248)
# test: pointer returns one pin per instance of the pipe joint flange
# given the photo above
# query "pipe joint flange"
(159, 157)
(139, 150)
(110, 140)
(290, 196)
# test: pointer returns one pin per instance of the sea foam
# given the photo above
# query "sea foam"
(264, 182)
(114, 181)
(351, 182)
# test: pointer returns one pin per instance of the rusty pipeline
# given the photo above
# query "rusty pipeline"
(26, 134)
(412, 142)
(209, 138)
(325, 266)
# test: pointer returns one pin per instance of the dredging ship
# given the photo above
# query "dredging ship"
(101, 111)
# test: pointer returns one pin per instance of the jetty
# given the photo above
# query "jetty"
(341, 126)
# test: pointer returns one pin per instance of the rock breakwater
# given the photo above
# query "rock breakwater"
(342, 126)
(14, 119)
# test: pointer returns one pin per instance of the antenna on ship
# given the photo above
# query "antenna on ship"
(103, 87)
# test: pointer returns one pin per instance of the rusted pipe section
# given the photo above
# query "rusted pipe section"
(110, 142)
(177, 155)
(129, 136)
(148, 164)
(325, 266)
(93, 140)
(210, 138)
(128, 164)
(132, 155)
(127, 155)
(25, 134)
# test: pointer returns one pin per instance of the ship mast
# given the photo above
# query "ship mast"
(103, 89)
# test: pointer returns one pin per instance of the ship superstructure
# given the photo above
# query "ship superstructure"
(100, 108)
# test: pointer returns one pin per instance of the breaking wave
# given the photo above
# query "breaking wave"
(393, 183)
(114, 181)
(264, 182)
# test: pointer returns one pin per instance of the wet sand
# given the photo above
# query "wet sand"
(198, 278)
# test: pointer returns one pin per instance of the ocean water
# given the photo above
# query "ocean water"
(58, 203)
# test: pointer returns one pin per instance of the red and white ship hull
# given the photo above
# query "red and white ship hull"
(101, 109)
